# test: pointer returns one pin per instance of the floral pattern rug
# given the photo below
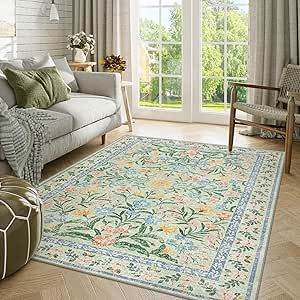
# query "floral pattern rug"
(183, 218)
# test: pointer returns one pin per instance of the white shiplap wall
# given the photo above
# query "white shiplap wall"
(35, 34)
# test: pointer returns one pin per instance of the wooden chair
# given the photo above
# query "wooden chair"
(288, 93)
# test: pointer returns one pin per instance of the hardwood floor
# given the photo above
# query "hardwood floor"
(281, 279)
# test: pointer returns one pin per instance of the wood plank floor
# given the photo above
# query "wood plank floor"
(281, 279)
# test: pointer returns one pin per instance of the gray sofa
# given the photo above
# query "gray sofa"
(92, 112)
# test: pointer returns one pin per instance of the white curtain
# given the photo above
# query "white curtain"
(274, 42)
(110, 23)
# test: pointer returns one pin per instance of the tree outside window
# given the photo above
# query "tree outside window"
(224, 52)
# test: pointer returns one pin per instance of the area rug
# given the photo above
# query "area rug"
(179, 217)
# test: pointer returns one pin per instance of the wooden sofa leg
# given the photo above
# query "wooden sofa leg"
(232, 119)
(104, 139)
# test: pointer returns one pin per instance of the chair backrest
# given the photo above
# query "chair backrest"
(289, 82)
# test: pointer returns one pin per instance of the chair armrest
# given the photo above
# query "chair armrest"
(253, 86)
(294, 95)
(100, 84)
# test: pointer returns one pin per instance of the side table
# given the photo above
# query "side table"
(124, 86)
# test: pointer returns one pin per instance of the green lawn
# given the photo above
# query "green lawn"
(218, 107)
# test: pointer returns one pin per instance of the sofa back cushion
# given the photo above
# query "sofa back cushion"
(66, 73)
(43, 61)
(15, 64)
(30, 63)
(38, 62)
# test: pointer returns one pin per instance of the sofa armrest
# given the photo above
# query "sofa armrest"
(101, 84)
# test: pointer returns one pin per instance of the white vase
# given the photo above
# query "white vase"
(79, 56)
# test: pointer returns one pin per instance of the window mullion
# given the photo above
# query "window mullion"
(225, 55)
(160, 54)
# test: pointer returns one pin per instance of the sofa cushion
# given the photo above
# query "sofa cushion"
(86, 109)
(62, 125)
(2, 155)
(6, 92)
(38, 62)
(5, 169)
(16, 64)
(66, 73)
(38, 88)
(30, 63)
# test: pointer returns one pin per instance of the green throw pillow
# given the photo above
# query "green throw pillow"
(39, 88)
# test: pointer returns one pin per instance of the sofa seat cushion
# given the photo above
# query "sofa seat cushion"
(61, 125)
(86, 109)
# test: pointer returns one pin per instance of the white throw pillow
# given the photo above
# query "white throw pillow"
(16, 64)
(66, 73)
(38, 62)
(43, 61)
(30, 63)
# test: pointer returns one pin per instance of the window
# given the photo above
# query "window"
(188, 50)
(160, 54)
(224, 50)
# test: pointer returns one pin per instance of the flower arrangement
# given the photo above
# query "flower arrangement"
(82, 41)
(114, 63)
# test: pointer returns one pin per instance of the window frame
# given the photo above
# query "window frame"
(156, 113)
(226, 44)
(160, 75)
(191, 77)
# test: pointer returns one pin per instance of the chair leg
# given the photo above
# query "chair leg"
(290, 126)
(232, 119)
(103, 139)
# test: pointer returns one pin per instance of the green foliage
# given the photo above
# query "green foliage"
(212, 54)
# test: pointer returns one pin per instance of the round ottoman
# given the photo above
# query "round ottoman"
(21, 222)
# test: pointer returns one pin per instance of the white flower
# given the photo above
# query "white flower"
(76, 41)
(85, 41)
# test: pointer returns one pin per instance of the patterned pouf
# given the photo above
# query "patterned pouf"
(21, 222)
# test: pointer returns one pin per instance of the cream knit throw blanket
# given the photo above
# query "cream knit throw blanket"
(22, 137)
